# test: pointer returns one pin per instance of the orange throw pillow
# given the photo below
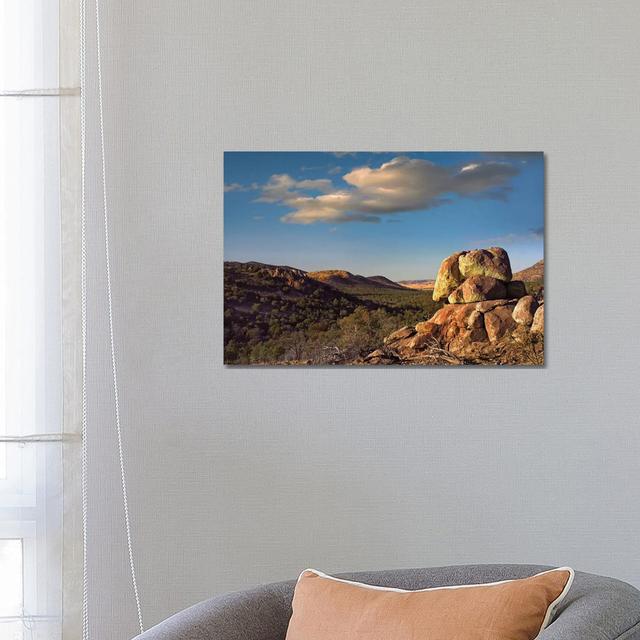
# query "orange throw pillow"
(326, 608)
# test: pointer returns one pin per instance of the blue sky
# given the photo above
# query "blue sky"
(396, 214)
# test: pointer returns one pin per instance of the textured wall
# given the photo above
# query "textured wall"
(244, 476)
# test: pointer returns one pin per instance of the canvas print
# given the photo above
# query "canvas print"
(384, 258)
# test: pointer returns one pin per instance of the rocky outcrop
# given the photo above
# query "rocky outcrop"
(456, 270)
(478, 288)
(489, 319)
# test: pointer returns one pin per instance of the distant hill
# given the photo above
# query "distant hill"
(385, 282)
(338, 278)
(257, 285)
(534, 273)
(418, 284)
(262, 301)
(346, 280)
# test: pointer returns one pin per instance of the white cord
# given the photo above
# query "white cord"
(83, 305)
(114, 370)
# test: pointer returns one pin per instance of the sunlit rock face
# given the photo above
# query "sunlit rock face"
(489, 318)
(459, 267)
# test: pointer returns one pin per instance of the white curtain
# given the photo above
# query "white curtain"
(39, 334)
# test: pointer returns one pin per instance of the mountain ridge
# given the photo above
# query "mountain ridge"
(337, 278)
(534, 273)
(342, 278)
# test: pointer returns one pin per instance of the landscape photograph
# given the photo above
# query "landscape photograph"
(384, 258)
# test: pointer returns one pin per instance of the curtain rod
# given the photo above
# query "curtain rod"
(40, 93)
(41, 437)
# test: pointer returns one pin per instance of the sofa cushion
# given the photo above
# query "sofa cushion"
(326, 607)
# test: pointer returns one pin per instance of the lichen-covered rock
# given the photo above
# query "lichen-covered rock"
(499, 322)
(404, 332)
(448, 277)
(493, 262)
(516, 289)
(477, 289)
(525, 310)
(537, 325)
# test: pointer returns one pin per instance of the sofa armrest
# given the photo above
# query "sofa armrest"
(259, 614)
(597, 608)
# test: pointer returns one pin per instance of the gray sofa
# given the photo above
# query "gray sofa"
(596, 608)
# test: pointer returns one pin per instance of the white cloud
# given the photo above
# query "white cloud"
(488, 178)
(402, 184)
(282, 188)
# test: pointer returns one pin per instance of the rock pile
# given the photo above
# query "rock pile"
(485, 307)
(473, 276)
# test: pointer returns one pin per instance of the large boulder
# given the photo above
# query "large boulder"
(448, 277)
(453, 314)
(524, 311)
(493, 262)
(477, 289)
(453, 322)
(516, 289)
(499, 322)
(538, 321)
